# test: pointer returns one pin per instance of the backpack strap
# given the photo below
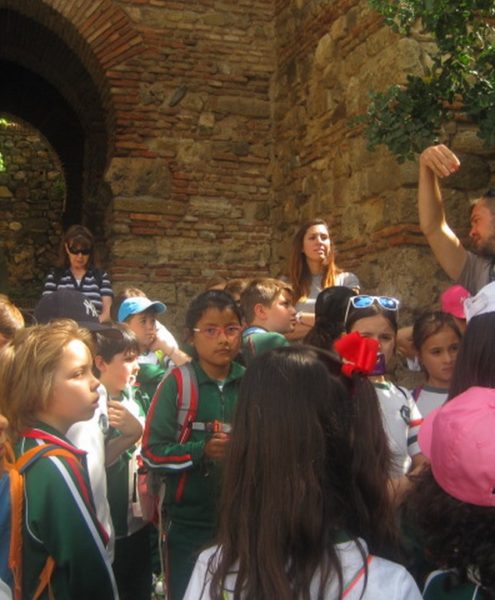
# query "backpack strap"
(16, 475)
(187, 400)
(352, 583)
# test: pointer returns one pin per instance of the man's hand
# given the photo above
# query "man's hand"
(440, 159)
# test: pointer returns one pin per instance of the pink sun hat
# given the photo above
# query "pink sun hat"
(459, 440)
(452, 301)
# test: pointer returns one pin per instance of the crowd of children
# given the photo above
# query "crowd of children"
(290, 470)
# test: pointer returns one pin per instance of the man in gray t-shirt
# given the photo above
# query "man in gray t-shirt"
(473, 271)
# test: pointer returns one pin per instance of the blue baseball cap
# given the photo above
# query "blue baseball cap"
(134, 306)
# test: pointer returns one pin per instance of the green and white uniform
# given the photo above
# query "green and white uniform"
(148, 379)
(193, 481)
(60, 521)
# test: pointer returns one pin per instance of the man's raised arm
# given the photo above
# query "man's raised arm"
(437, 162)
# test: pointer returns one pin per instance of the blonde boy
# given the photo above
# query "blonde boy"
(267, 306)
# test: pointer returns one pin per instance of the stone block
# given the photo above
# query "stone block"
(148, 204)
(138, 177)
(191, 151)
(467, 141)
(164, 292)
(474, 174)
(236, 105)
(5, 192)
(133, 248)
(325, 51)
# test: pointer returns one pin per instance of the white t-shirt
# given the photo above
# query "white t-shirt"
(430, 398)
(308, 304)
(401, 420)
(90, 436)
(386, 580)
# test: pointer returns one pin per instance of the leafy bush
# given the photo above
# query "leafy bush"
(460, 83)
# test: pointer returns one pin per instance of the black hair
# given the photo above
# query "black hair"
(455, 534)
(330, 308)
(356, 314)
(476, 357)
(210, 299)
(109, 342)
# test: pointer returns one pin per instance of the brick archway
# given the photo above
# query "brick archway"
(58, 59)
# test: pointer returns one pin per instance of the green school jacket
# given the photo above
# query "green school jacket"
(60, 521)
(148, 378)
(192, 480)
(255, 344)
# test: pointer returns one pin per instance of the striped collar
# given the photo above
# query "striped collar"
(50, 435)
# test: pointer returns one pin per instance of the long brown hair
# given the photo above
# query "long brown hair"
(299, 273)
(290, 485)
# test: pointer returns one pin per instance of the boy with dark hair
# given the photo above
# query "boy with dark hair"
(267, 306)
(116, 366)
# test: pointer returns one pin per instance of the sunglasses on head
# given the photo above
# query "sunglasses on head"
(365, 301)
(83, 251)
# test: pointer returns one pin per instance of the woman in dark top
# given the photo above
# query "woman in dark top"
(77, 271)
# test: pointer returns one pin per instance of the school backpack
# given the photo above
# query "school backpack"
(152, 485)
(12, 503)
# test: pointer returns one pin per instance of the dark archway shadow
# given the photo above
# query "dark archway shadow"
(32, 99)
(43, 82)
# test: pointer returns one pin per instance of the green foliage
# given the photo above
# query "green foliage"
(408, 118)
(4, 123)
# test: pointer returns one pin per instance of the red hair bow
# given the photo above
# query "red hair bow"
(358, 353)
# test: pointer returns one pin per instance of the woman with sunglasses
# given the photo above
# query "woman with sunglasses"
(311, 269)
(376, 317)
(76, 271)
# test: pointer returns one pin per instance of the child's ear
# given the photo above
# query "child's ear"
(100, 364)
(259, 311)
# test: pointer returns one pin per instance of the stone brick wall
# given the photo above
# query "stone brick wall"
(190, 177)
(31, 202)
(330, 54)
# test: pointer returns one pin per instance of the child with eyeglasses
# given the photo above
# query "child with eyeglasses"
(190, 454)
(376, 317)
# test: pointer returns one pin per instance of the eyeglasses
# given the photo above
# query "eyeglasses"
(364, 301)
(213, 331)
(83, 251)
